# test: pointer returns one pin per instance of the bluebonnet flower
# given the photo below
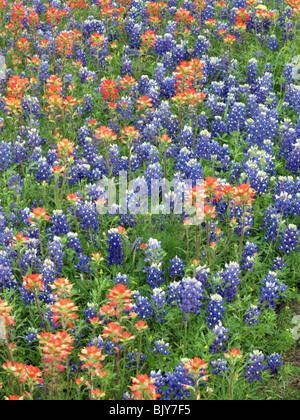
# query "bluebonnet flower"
(214, 310)
(285, 203)
(31, 335)
(285, 184)
(258, 179)
(87, 105)
(229, 280)
(91, 311)
(293, 160)
(127, 396)
(154, 274)
(134, 356)
(59, 224)
(191, 296)
(193, 170)
(30, 257)
(292, 98)
(161, 347)
(173, 293)
(2, 125)
(272, 42)
(153, 174)
(26, 295)
(7, 278)
(176, 268)
(272, 223)
(183, 157)
(87, 214)
(252, 314)
(273, 362)
(271, 291)
(6, 157)
(218, 127)
(201, 46)
(127, 67)
(288, 137)
(236, 212)
(220, 366)
(235, 120)
(217, 106)
(255, 366)
(115, 247)
(250, 250)
(15, 183)
(154, 257)
(73, 242)
(121, 278)
(278, 264)
(219, 332)
(171, 385)
(159, 303)
(154, 251)
(87, 75)
(289, 239)
(44, 72)
(263, 125)
(83, 263)
(142, 306)
(55, 252)
(31, 106)
(43, 170)
(202, 274)
(107, 346)
(288, 73)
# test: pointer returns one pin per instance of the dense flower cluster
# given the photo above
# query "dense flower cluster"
(150, 196)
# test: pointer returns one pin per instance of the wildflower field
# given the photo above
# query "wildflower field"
(149, 200)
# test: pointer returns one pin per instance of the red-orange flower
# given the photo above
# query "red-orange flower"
(20, 238)
(5, 313)
(144, 102)
(65, 148)
(33, 19)
(112, 331)
(56, 349)
(189, 97)
(63, 310)
(184, 15)
(243, 194)
(210, 212)
(39, 214)
(105, 133)
(16, 86)
(196, 367)
(23, 45)
(14, 398)
(109, 90)
(148, 39)
(33, 281)
(229, 39)
(141, 325)
(142, 388)
(62, 286)
(53, 16)
(127, 81)
(58, 170)
(120, 297)
(234, 353)
(97, 40)
(92, 357)
(165, 139)
(73, 197)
